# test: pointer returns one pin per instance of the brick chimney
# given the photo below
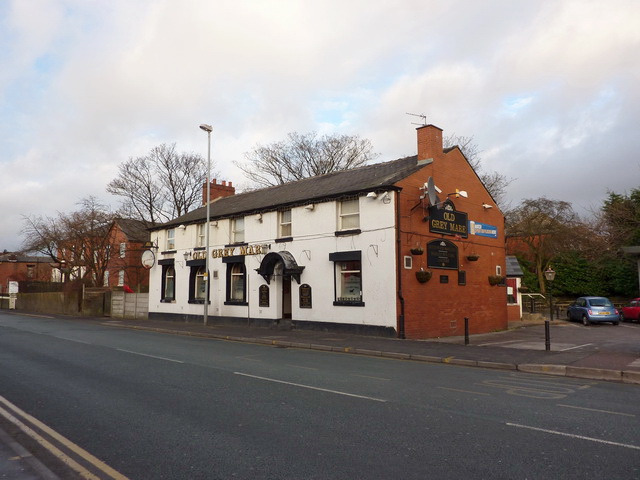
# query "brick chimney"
(217, 190)
(429, 142)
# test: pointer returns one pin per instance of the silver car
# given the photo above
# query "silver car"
(593, 310)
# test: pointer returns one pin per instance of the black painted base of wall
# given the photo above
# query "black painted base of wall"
(285, 324)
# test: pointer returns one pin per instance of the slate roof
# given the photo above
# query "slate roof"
(135, 230)
(513, 267)
(23, 258)
(378, 176)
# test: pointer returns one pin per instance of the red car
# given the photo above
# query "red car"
(631, 311)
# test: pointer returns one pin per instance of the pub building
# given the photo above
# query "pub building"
(405, 248)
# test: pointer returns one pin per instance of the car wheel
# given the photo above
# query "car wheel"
(615, 323)
(585, 321)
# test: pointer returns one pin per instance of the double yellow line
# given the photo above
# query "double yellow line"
(46, 437)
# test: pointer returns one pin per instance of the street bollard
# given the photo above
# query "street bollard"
(547, 336)
(466, 331)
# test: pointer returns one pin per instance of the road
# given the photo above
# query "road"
(155, 406)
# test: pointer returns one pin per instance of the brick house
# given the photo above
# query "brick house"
(22, 268)
(407, 248)
(127, 238)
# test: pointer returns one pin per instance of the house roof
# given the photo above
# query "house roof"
(22, 258)
(309, 190)
(513, 267)
(135, 230)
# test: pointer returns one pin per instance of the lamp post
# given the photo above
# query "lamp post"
(550, 275)
(208, 129)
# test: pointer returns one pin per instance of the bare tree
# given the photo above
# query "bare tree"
(545, 228)
(304, 155)
(161, 185)
(78, 242)
(496, 183)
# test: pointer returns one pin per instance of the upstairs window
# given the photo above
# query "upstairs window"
(121, 278)
(237, 230)
(123, 249)
(349, 214)
(284, 223)
(200, 242)
(171, 239)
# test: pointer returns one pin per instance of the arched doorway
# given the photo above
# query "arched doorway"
(281, 267)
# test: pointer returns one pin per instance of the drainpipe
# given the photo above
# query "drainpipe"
(399, 266)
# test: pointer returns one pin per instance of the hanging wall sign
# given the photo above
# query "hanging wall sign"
(448, 221)
(442, 254)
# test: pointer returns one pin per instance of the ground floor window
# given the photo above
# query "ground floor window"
(168, 283)
(236, 281)
(197, 281)
(348, 278)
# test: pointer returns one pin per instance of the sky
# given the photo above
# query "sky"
(549, 90)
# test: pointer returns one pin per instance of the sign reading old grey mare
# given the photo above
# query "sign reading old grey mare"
(448, 221)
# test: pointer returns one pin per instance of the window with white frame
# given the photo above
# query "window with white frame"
(349, 214)
(105, 282)
(121, 278)
(348, 278)
(236, 283)
(201, 235)
(284, 223)
(171, 239)
(237, 230)
(123, 249)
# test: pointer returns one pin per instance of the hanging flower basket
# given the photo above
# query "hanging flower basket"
(496, 279)
(473, 257)
(423, 276)
(417, 251)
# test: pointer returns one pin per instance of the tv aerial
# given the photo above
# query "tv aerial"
(422, 116)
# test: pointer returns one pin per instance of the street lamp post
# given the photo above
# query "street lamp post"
(550, 275)
(208, 129)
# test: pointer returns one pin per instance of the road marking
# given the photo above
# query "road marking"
(596, 410)
(578, 346)
(464, 391)
(369, 376)
(84, 473)
(527, 387)
(150, 356)
(580, 437)
(310, 387)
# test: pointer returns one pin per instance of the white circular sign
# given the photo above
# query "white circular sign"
(148, 259)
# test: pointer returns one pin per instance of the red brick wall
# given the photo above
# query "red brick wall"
(434, 309)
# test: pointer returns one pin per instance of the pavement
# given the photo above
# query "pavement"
(481, 351)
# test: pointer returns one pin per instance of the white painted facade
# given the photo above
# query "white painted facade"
(314, 237)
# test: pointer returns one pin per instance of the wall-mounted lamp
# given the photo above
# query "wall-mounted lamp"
(181, 227)
(214, 224)
(187, 255)
(486, 206)
(459, 193)
(150, 245)
(372, 195)
(385, 198)
(259, 217)
(309, 207)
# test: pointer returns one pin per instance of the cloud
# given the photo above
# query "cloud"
(548, 90)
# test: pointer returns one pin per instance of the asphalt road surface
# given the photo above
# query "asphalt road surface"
(155, 406)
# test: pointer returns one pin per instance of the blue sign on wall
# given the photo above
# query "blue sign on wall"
(482, 229)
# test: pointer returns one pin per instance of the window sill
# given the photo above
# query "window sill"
(238, 244)
(197, 249)
(167, 300)
(342, 233)
(348, 304)
(168, 252)
(283, 239)
(237, 303)
(198, 301)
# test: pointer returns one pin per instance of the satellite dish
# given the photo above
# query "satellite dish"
(431, 191)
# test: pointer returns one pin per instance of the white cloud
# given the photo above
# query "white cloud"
(548, 90)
